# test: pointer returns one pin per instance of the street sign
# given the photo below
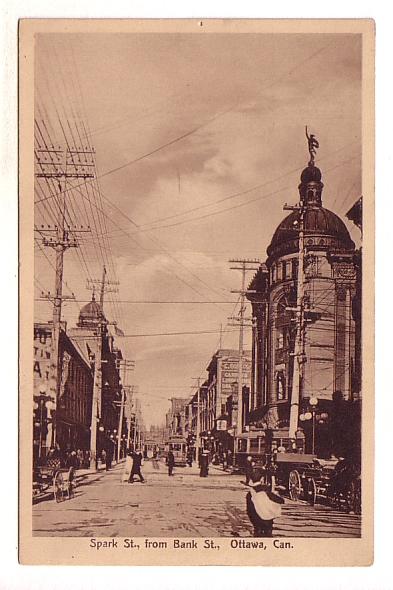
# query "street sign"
(221, 424)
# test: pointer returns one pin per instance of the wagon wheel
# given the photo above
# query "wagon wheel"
(71, 483)
(294, 485)
(58, 486)
(311, 491)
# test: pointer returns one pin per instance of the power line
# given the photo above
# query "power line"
(240, 193)
(75, 336)
(213, 118)
(142, 302)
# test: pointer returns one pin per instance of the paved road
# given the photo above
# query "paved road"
(184, 505)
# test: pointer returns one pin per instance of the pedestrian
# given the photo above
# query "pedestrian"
(204, 464)
(224, 461)
(103, 457)
(230, 459)
(262, 508)
(136, 467)
(109, 458)
(170, 461)
(72, 460)
(79, 454)
(127, 467)
(189, 457)
(249, 469)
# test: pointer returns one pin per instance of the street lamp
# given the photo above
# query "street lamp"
(313, 402)
(40, 402)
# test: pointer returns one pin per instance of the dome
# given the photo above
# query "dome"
(311, 174)
(90, 314)
(322, 228)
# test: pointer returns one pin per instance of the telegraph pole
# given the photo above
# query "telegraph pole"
(126, 365)
(198, 424)
(53, 163)
(97, 385)
(131, 389)
(242, 321)
(299, 348)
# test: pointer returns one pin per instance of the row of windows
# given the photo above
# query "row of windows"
(75, 407)
(281, 271)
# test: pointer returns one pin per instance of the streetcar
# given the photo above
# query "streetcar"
(252, 444)
(150, 449)
(178, 445)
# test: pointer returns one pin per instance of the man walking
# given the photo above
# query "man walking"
(170, 460)
(136, 467)
(109, 458)
(204, 464)
(189, 457)
(249, 469)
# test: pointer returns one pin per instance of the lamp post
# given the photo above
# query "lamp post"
(313, 402)
(40, 402)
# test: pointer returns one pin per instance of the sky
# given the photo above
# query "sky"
(199, 141)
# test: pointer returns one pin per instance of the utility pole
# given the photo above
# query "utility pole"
(299, 348)
(198, 424)
(135, 424)
(242, 321)
(97, 384)
(126, 365)
(53, 163)
(131, 391)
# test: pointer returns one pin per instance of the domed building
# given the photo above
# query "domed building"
(304, 328)
(91, 315)
(95, 342)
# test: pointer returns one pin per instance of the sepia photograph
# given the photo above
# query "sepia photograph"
(196, 259)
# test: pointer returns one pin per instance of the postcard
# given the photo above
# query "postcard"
(197, 290)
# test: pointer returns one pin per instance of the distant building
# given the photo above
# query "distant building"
(222, 385)
(218, 399)
(85, 337)
(175, 418)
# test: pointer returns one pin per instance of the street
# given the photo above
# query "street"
(184, 505)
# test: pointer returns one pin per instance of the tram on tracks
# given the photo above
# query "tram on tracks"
(178, 445)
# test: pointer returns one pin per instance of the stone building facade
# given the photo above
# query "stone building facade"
(330, 365)
(69, 423)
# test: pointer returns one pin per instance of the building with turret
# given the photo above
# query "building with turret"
(303, 347)
(94, 341)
